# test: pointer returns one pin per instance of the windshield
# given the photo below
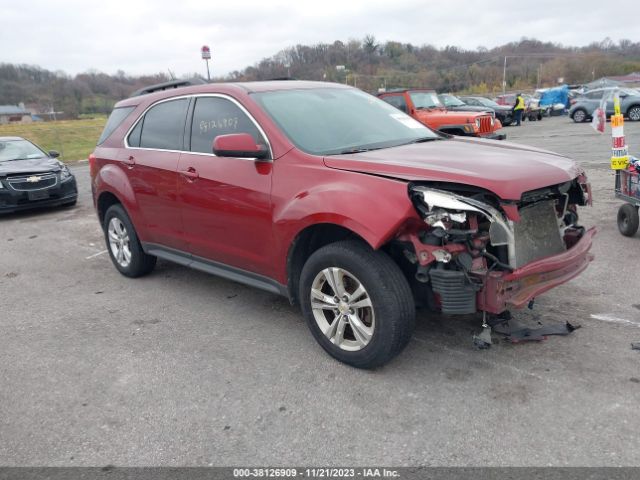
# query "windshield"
(425, 100)
(486, 102)
(451, 101)
(327, 121)
(19, 150)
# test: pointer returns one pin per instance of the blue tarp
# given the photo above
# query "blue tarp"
(555, 95)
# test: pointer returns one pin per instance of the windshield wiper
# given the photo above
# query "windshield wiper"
(423, 140)
(356, 150)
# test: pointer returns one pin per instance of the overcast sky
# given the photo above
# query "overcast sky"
(150, 36)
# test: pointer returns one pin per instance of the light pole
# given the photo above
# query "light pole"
(504, 76)
(205, 51)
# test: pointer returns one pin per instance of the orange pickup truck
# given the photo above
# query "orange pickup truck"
(425, 106)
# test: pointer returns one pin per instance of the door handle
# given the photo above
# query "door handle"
(190, 173)
(130, 161)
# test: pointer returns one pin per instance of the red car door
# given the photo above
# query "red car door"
(151, 160)
(225, 202)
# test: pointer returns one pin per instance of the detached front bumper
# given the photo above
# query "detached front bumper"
(504, 290)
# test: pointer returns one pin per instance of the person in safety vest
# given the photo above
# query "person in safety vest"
(518, 109)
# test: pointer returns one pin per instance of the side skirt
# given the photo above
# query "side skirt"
(215, 268)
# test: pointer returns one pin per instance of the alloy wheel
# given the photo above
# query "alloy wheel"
(578, 116)
(119, 242)
(634, 114)
(342, 309)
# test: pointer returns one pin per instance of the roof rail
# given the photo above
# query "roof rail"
(167, 86)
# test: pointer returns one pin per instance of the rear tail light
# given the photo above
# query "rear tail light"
(92, 164)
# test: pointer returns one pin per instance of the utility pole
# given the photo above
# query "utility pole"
(504, 76)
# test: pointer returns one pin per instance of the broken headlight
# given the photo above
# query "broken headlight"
(436, 205)
(65, 173)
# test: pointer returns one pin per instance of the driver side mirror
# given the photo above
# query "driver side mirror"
(54, 153)
(239, 145)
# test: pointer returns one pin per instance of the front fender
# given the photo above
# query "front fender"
(370, 206)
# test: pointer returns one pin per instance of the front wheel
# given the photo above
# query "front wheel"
(123, 245)
(357, 303)
(628, 220)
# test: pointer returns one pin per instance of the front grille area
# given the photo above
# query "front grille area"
(485, 124)
(33, 182)
(537, 234)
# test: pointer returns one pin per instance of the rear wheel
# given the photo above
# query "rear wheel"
(123, 245)
(579, 115)
(357, 303)
(628, 220)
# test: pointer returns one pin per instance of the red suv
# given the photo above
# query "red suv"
(337, 200)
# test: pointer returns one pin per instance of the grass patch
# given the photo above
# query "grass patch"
(74, 139)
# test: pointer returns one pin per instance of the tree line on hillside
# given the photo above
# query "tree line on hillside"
(86, 93)
(370, 64)
(366, 63)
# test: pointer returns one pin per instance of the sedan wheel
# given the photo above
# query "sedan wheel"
(342, 309)
(634, 114)
(579, 116)
(119, 242)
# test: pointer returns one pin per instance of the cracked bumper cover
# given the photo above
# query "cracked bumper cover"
(504, 290)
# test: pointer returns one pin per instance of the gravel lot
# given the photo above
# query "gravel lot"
(181, 368)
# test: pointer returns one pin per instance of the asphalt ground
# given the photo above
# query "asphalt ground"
(180, 368)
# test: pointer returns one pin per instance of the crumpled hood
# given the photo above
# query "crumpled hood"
(504, 168)
(34, 165)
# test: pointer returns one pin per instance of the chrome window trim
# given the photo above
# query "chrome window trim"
(196, 96)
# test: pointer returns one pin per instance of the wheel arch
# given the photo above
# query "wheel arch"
(105, 200)
(306, 242)
(112, 185)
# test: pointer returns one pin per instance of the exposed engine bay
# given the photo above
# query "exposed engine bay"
(476, 252)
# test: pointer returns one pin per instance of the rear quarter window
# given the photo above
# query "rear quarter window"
(115, 119)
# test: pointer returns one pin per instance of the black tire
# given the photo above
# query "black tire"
(628, 220)
(392, 302)
(507, 121)
(581, 115)
(140, 263)
(633, 113)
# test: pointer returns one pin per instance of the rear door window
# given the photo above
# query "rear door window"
(163, 127)
(214, 116)
(597, 95)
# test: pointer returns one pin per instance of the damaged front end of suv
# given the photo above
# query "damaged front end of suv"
(476, 252)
